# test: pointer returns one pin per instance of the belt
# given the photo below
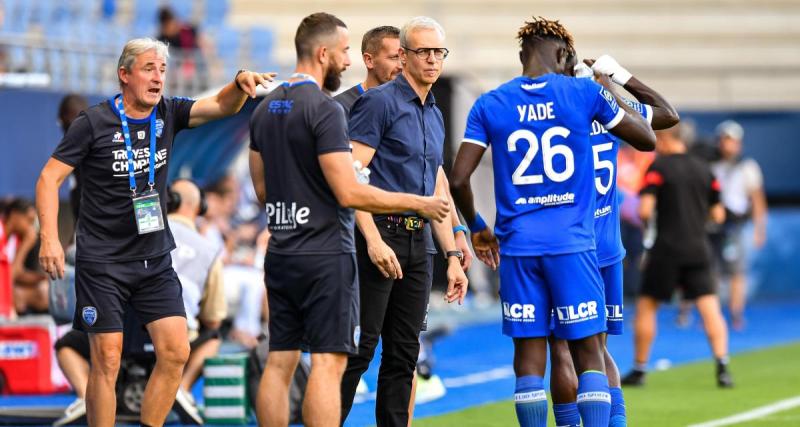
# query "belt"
(411, 223)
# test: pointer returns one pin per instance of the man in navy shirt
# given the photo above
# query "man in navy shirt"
(122, 147)
(302, 171)
(398, 131)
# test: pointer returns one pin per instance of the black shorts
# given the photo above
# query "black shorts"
(313, 302)
(76, 340)
(663, 274)
(102, 290)
(79, 341)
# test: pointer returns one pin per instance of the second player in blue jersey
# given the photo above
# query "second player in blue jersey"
(538, 126)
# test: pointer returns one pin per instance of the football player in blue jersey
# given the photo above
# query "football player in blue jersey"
(538, 125)
(610, 251)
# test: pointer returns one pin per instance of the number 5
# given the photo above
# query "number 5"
(603, 164)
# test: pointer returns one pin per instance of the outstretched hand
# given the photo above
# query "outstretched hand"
(248, 81)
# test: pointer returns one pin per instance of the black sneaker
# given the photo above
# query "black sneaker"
(634, 378)
(724, 379)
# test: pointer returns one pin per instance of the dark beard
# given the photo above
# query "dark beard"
(333, 80)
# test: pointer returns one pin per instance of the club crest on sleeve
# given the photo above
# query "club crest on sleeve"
(89, 315)
(357, 335)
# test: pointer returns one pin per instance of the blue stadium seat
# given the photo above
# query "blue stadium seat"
(215, 13)
(18, 15)
(42, 12)
(145, 13)
(262, 42)
(55, 61)
(184, 9)
(228, 43)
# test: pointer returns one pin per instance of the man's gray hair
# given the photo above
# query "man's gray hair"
(419, 23)
(136, 47)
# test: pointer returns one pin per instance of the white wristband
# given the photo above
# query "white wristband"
(609, 66)
(621, 76)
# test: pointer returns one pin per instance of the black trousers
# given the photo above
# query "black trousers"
(393, 310)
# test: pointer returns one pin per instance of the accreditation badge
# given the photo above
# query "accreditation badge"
(147, 210)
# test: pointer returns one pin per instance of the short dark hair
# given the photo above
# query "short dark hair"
(373, 38)
(71, 105)
(311, 29)
(18, 205)
(165, 14)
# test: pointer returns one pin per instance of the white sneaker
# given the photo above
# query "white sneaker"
(184, 404)
(429, 390)
(74, 412)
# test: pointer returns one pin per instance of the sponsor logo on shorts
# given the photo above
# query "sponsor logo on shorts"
(547, 200)
(89, 315)
(357, 335)
(614, 313)
(582, 312)
(605, 210)
(284, 216)
(519, 312)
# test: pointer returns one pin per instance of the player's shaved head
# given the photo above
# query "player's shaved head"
(315, 30)
(189, 192)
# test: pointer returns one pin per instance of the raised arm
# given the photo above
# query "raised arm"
(229, 100)
(664, 114)
(51, 254)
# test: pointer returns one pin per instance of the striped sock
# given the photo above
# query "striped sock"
(567, 414)
(618, 417)
(594, 399)
(530, 401)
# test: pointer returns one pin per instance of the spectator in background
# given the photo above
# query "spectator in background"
(222, 197)
(69, 108)
(199, 269)
(17, 238)
(683, 191)
(631, 167)
(743, 197)
(184, 41)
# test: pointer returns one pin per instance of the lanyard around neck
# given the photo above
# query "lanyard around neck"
(129, 147)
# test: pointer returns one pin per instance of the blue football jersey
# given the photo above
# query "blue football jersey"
(542, 158)
(606, 227)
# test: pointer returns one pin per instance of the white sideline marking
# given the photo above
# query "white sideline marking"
(479, 377)
(753, 414)
(458, 382)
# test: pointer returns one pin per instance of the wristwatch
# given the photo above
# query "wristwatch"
(457, 254)
(236, 79)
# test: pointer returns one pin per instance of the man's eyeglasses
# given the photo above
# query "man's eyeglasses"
(439, 53)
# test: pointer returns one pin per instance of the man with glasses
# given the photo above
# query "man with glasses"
(397, 130)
